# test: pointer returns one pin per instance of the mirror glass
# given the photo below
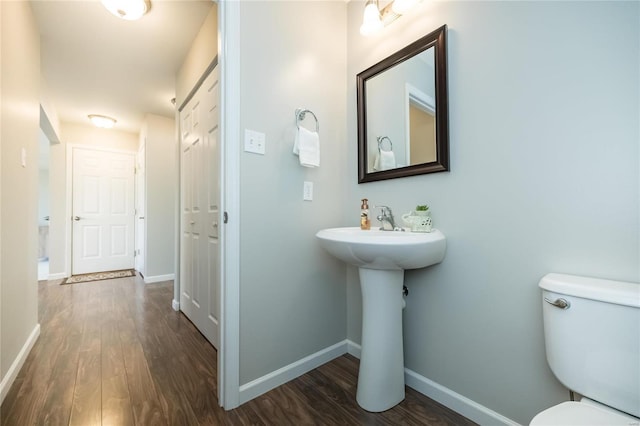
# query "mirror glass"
(402, 112)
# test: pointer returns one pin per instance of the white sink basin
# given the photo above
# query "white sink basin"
(390, 250)
(382, 257)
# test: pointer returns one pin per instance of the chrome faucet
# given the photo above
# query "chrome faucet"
(386, 219)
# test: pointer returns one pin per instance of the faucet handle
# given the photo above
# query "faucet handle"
(384, 208)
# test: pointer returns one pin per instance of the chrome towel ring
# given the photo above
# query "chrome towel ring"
(301, 114)
(380, 140)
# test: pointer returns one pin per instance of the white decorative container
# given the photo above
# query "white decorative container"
(418, 221)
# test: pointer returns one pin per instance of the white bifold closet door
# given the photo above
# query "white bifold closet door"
(199, 209)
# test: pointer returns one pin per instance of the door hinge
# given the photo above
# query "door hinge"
(225, 217)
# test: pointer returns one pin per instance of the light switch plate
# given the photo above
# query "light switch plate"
(254, 141)
(307, 192)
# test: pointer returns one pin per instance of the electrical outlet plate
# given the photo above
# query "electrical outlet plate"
(254, 141)
(307, 192)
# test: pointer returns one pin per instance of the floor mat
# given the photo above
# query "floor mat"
(97, 276)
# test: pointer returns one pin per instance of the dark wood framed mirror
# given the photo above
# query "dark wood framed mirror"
(403, 119)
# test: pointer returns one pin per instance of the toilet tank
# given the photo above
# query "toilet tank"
(593, 345)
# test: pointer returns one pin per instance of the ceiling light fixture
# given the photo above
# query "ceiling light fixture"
(375, 19)
(130, 10)
(102, 121)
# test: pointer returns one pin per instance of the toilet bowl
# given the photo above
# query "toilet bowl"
(583, 413)
(592, 342)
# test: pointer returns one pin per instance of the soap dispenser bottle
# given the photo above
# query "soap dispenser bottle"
(365, 223)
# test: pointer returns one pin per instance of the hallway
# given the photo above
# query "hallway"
(113, 352)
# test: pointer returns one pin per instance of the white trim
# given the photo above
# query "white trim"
(57, 276)
(289, 372)
(229, 60)
(353, 348)
(159, 278)
(175, 305)
(453, 400)
(450, 399)
(425, 102)
(17, 364)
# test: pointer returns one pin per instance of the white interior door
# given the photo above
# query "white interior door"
(103, 211)
(200, 214)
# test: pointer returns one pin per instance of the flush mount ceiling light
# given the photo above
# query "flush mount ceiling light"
(102, 121)
(130, 10)
(375, 19)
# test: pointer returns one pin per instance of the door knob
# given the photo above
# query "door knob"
(76, 218)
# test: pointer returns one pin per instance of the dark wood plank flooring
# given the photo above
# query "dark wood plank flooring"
(113, 352)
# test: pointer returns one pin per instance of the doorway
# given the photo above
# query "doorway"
(43, 206)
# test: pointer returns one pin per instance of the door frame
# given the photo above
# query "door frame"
(140, 206)
(229, 346)
(69, 196)
(229, 355)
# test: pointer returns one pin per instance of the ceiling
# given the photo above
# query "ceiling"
(96, 63)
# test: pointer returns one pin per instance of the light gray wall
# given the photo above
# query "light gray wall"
(161, 187)
(544, 124)
(203, 50)
(292, 294)
(95, 137)
(20, 117)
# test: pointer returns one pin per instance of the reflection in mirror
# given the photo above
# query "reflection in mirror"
(400, 107)
(402, 112)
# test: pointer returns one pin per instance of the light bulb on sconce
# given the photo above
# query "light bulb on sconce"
(375, 19)
(371, 21)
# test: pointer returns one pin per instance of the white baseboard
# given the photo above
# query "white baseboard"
(159, 278)
(175, 305)
(450, 399)
(281, 376)
(17, 363)
(353, 348)
(458, 403)
(57, 276)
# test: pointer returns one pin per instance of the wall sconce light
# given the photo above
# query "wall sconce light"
(371, 21)
(130, 10)
(375, 19)
(102, 121)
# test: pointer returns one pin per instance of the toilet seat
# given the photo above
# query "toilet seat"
(573, 413)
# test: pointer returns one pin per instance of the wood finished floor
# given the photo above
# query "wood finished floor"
(114, 353)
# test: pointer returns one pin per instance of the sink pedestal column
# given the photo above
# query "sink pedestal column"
(381, 375)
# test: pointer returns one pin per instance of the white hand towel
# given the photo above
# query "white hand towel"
(307, 146)
(376, 163)
(387, 160)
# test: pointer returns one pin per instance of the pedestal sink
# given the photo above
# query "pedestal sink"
(382, 257)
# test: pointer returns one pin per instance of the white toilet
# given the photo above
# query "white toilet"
(592, 339)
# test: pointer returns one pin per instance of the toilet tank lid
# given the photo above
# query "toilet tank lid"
(618, 292)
